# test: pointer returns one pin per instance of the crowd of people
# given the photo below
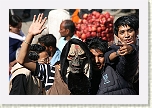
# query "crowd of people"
(70, 66)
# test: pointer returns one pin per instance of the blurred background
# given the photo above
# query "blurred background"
(27, 18)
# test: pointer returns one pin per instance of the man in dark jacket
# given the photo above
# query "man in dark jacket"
(97, 47)
(123, 57)
(105, 78)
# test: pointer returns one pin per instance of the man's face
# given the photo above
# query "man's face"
(43, 58)
(47, 49)
(76, 58)
(127, 34)
(63, 31)
(97, 59)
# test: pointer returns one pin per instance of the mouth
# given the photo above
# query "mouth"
(129, 41)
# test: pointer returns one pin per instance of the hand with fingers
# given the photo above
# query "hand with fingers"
(37, 25)
(124, 48)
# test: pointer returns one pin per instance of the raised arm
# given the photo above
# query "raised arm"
(35, 29)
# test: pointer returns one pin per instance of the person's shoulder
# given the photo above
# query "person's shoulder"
(58, 51)
(75, 37)
(61, 38)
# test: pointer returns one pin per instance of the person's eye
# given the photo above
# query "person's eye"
(121, 32)
(130, 30)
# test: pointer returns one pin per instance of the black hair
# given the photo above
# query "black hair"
(14, 20)
(35, 49)
(48, 40)
(69, 24)
(97, 43)
(130, 20)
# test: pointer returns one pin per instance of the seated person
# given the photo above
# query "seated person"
(22, 80)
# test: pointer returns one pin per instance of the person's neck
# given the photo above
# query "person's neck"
(53, 52)
(68, 38)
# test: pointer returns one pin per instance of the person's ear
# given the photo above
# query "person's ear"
(67, 31)
(50, 48)
(137, 32)
(10, 27)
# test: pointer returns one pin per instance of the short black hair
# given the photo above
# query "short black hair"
(48, 40)
(14, 20)
(69, 24)
(130, 20)
(97, 43)
(35, 49)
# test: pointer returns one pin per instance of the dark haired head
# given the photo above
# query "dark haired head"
(14, 20)
(48, 40)
(35, 49)
(97, 43)
(130, 20)
(69, 24)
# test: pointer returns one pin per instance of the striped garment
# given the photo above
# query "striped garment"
(45, 73)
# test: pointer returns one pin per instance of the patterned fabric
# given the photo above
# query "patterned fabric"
(45, 73)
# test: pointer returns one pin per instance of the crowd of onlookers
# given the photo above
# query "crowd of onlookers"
(62, 64)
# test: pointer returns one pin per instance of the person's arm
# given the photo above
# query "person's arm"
(35, 29)
(123, 50)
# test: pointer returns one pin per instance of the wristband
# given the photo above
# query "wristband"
(27, 42)
(117, 53)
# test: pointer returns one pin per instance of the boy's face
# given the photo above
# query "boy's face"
(127, 34)
(47, 49)
(97, 59)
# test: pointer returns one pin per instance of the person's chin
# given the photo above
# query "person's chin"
(97, 69)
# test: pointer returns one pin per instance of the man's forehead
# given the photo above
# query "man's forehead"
(124, 27)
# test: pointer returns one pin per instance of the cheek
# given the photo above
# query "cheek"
(16, 30)
(101, 60)
(121, 37)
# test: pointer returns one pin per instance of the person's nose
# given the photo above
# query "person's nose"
(96, 59)
(59, 31)
(127, 35)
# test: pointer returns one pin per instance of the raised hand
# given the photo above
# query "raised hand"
(37, 25)
(124, 49)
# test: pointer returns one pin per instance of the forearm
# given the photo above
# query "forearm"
(13, 63)
(23, 54)
(122, 51)
(113, 55)
(35, 29)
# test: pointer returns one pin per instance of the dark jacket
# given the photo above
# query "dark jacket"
(14, 44)
(127, 65)
(78, 83)
(112, 83)
(117, 77)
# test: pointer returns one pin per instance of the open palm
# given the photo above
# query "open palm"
(37, 25)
